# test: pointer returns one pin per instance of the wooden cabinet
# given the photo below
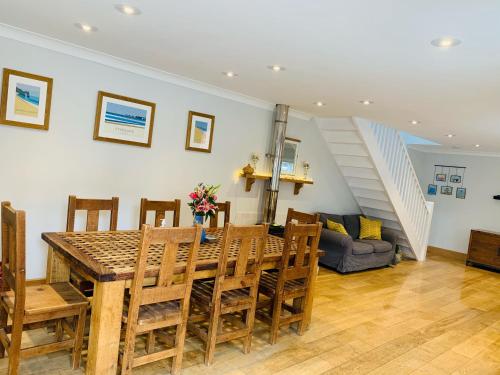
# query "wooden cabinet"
(484, 248)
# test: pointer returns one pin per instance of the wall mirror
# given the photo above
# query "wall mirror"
(290, 156)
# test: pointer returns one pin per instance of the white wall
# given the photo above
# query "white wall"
(454, 218)
(40, 169)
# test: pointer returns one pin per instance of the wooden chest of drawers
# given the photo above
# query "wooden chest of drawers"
(484, 248)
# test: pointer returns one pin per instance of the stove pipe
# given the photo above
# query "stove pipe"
(276, 154)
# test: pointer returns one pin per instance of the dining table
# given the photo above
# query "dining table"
(107, 258)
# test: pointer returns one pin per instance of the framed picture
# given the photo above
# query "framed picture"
(432, 189)
(124, 120)
(461, 193)
(441, 177)
(26, 100)
(200, 131)
(447, 190)
(290, 156)
(456, 179)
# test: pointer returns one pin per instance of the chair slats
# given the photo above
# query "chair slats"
(160, 208)
(222, 208)
(301, 217)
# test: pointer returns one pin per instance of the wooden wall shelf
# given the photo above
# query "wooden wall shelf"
(298, 182)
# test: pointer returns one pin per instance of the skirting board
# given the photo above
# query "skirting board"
(431, 250)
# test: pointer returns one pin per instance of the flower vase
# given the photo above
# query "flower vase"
(198, 219)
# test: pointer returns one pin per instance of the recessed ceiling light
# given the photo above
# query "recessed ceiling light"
(230, 74)
(477, 146)
(446, 42)
(414, 122)
(450, 135)
(320, 104)
(127, 9)
(366, 102)
(276, 68)
(86, 27)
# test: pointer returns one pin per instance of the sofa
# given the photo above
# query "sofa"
(347, 253)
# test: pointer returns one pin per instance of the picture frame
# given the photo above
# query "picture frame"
(455, 179)
(124, 120)
(200, 132)
(441, 177)
(290, 156)
(432, 189)
(26, 100)
(447, 190)
(461, 192)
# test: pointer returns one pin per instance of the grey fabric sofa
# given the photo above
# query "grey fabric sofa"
(347, 253)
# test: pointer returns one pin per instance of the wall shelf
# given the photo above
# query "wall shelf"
(297, 181)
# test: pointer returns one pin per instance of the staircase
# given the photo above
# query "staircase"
(375, 163)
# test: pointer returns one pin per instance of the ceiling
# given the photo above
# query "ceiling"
(335, 51)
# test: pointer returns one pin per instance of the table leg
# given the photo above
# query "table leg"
(310, 296)
(105, 325)
(57, 267)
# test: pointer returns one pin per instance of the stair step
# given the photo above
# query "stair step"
(367, 173)
(363, 183)
(347, 149)
(374, 203)
(343, 136)
(370, 194)
(332, 124)
(371, 212)
(353, 161)
(392, 225)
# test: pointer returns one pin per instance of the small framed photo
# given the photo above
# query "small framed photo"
(120, 119)
(447, 190)
(441, 177)
(200, 131)
(461, 193)
(456, 179)
(26, 100)
(432, 189)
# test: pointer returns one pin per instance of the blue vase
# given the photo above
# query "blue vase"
(198, 219)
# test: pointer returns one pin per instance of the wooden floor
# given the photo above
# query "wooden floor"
(436, 317)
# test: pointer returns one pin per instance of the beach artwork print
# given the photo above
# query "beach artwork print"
(200, 132)
(26, 100)
(124, 120)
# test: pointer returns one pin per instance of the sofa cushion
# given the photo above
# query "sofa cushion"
(370, 229)
(323, 217)
(336, 227)
(379, 246)
(351, 224)
(361, 247)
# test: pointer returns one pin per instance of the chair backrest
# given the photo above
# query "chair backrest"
(224, 208)
(13, 255)
(238, 242)
(301, 217)
(160, 208)
(168, 287)
(299, 239)
(93, 207)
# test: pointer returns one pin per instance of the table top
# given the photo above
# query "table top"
(109, 256)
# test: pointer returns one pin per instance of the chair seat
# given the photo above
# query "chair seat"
(47, 298)
(269, 281)
(156, 312)
(203, 290)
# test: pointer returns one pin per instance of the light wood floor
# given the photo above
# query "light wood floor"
(436, 317)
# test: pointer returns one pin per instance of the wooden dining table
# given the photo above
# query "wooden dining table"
(108, 260)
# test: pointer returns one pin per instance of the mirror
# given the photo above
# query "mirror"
(290, 155)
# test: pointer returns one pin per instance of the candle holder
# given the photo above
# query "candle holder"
(255, 159)
(306, 167)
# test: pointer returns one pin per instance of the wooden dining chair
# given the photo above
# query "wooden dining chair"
(160, 208)
(34, 305)
(224, 208)
(234, 290)
(166, 303)
(301, 217)
(93, 208)
(292, 282)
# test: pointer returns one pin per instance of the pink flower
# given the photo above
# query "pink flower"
(193, 195)
(214, 197)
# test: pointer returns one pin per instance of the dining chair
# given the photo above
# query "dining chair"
(224, 208)
(234, 290)
(160, 208)
(93, 208)
(293, 281)
(27, 305)
(166, 303)
(301, 217)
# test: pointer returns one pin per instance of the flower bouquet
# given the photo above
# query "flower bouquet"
(204, 203)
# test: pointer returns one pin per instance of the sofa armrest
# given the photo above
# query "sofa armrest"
(335, 241)
(390, 235)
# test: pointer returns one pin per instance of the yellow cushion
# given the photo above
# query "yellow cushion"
(370, 229)
(336, 227)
